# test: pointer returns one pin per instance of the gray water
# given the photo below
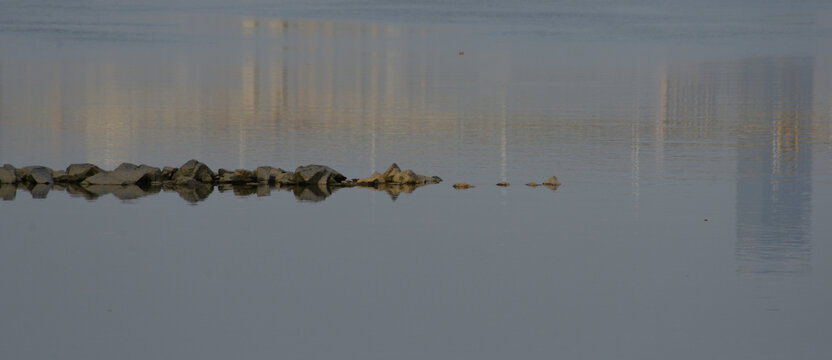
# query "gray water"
(656, 115)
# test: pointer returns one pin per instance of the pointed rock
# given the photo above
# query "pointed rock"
(391, 171)
(552, 181)
(195, 170)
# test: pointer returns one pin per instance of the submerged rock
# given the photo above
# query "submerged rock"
(8, 175)
(195, 170)
(126, 174)
(318, 174)
(502, 183)
(463, 185)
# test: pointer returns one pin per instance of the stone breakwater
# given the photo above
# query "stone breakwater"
(194, 181)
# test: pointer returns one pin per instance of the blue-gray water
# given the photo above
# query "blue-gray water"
(656, 115)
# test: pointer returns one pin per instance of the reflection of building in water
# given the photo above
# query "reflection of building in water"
(687, 108)
(774, 167)
(772, 102)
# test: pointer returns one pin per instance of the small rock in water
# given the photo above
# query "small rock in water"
(463, 185)
(533, 184)
(239, 176)
(502, 183)
(552, 181)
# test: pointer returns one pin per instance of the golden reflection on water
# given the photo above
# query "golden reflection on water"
(375, 93)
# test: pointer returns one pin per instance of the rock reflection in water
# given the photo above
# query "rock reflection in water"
(191, 193)
(8, 191)
(312, 193)
(394, 190)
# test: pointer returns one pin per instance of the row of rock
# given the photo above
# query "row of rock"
(194, 173)
(551, 183)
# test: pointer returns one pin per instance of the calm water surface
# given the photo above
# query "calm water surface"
(655, 115)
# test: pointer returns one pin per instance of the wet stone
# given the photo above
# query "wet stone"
(463, 185)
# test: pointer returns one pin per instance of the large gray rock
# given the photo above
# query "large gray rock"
(126, 174)
(318, 174)
(8, 174)
(76, 173)
(239, 176)
(195, 170)
(37, 175)
(270, 175)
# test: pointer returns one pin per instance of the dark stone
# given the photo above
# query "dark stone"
(270, 175)
(37, 175)
(318, 174)
(195, 170)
